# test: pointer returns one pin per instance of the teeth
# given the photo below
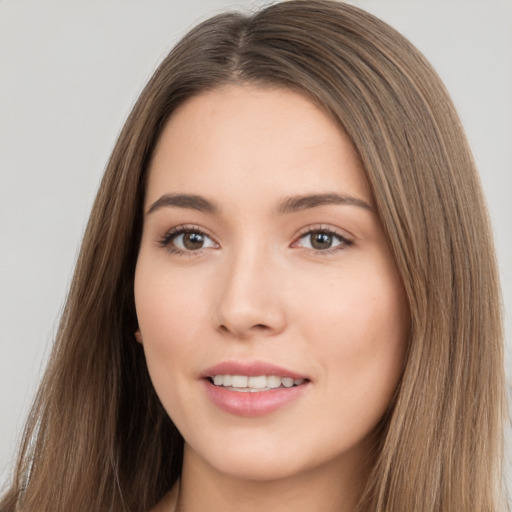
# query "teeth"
(258, 383)
(273, 381)
(239, 381)
(287, 382)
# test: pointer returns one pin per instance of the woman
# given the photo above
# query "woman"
(286, 296)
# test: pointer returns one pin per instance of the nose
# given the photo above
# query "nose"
(250, 301)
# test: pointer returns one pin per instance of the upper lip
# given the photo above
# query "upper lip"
(249, 368)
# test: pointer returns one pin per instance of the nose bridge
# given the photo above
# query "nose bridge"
(249, 295)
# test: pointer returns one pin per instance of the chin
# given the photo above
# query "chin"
(257, 460)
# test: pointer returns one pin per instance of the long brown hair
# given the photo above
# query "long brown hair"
(98, 438)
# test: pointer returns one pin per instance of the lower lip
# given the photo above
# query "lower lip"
(252, 404)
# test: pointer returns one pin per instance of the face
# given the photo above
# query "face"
(270, 310)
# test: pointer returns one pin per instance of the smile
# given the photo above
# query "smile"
(255, 384)
(253, 388)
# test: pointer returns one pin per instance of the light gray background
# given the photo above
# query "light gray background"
(70, 72)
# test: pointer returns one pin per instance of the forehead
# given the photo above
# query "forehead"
(247, 141)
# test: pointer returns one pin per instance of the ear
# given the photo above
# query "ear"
(138, 336)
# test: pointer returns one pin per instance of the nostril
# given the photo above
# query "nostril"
(257, 327)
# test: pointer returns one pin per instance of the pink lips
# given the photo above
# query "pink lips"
(246, 403)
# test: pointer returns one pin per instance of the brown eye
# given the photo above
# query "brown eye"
(189, 241)
(321, 240)
(193, 241)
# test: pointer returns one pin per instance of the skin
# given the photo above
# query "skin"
(260, 289)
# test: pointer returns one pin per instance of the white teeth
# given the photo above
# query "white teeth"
(273, 381)
(259, 382)
(239, 381)
(255, 383)
(287, 382)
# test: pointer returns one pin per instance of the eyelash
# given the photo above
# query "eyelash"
(176, 231)
(344, 241)
(173, 233)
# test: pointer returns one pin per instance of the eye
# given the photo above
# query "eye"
(186, 240)
(192, 241)
(322, 240)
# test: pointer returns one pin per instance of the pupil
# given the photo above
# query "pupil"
(321, 240)
(193, 241)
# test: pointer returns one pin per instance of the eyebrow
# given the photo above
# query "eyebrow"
(188, 201)
(298, 203)
(289, 205)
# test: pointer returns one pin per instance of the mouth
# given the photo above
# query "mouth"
(252, 388)
(254, 384)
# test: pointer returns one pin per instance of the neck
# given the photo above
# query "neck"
(333, 487)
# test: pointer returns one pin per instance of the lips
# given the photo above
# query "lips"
(255, 384)
(252, 388)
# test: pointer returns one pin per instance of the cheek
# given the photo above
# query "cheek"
(357, 310)
(360, 328)
(167, 303)
(168, 312)
(167, 321)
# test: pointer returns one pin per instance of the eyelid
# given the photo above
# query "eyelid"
(325, 227)
(346, 239)
(165, 240)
